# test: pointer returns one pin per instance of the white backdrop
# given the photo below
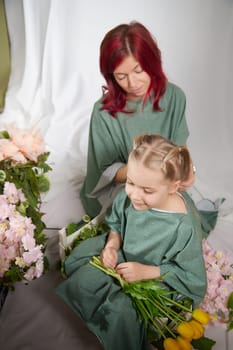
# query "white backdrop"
(55, 80)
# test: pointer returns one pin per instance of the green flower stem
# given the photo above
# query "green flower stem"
(97, 263)
(172, 312)
(181, 306)
(141, 306)
(155, 324)
(168, 312)
(148, 305)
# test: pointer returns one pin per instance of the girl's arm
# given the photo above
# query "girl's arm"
(133, 271)
(109, 254)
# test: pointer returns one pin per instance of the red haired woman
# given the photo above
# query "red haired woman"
(137, 99)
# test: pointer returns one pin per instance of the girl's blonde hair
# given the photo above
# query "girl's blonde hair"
(155, 151)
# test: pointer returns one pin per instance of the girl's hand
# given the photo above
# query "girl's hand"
(109, 257)
(134, 271)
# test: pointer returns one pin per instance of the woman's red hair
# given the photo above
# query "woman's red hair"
(120, 42)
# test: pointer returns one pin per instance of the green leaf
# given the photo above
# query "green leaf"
(85, 233)
(159, 344)
(2, 175)
(41, 162)
(86, 218)
(46, 264)
(203, 343)
(71, 228)
(230, 301)
(21, 208)
(230, 326)
(14, 274)
(4, 135)
(43, 183)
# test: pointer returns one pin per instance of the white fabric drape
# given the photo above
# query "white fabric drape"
(54, 82)
(56, 79)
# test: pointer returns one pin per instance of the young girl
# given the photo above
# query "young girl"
(153, 230)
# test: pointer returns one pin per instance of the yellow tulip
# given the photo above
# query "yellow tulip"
(185, 329)
(171, 344)
(198, 329)
(184, 343)
(198, 325)
(201, 316)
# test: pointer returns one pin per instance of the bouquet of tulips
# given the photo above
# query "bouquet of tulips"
(171, 322)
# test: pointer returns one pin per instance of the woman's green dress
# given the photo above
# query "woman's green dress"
(111, 140)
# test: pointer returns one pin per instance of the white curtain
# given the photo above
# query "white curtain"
(54, 83)
(55, 80)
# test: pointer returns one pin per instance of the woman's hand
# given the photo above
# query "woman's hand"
(134, 271)
(109, 257)
(121, 174)
(190, 181)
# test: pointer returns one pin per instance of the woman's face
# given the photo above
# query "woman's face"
(132, 78)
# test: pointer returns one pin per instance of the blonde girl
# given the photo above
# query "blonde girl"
(154, 231)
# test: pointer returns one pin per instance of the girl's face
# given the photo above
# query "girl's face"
(132, 78)
(147, 188)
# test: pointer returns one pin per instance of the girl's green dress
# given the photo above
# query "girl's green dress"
(167, 239)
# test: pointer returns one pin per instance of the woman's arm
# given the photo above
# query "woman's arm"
(190, 180)
(102, 153)
(121, 174)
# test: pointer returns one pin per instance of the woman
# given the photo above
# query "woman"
(137, 99)
(154, 231)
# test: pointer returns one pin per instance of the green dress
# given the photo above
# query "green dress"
(111, 140)
(167, 239)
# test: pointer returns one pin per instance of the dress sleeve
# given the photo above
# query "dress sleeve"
(184, 265)
(180, 130)
(116, 219)
(102, 154)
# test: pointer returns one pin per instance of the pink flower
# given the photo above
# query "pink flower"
(7, 254)
(30, 274)
(28, 242)
(4, 266)
(6, 209)
(8, 150)
(4, 225)
(32, 255)
(39, 268)
(35, 271)
(20, 217)
(19, 227)
(30, 142)
(13, 194)
(219, 283)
